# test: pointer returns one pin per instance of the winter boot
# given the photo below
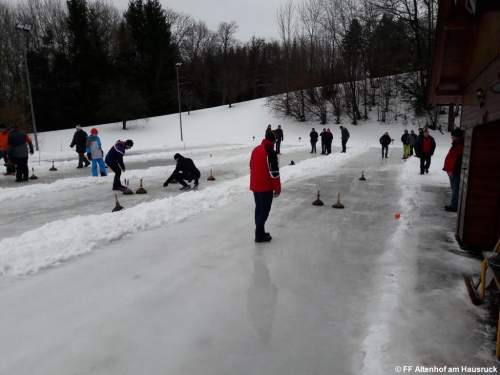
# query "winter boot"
(196, 186)
(185, 188)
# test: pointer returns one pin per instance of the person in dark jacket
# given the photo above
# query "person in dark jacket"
(412, 139)
(80, 141)
(417, 142)
(427, 145)
(264, 180)
(345, 138)
(328, 142)
(114, 160)
(323, 143)
(385, 141)
(406, 144)
(17, 148)
(279, 138)
(453, 166)
(184, 170)
(314, 139)
(269, 128)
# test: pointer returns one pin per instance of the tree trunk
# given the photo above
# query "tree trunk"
(124, 124)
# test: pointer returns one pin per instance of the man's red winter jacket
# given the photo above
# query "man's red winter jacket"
(264, 170)
(453, 161)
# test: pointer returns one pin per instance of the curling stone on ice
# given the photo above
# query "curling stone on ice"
(318, 202)
(292, 163)
(117, 205)
(33, 177)
(128, 191)
(338, 204)
(141, 190)
(362, 178)
(211, 177)
(53, 168)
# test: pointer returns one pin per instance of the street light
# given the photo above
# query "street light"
(24, 29)
(177, 66)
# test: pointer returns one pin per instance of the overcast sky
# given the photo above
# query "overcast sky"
(252, 16)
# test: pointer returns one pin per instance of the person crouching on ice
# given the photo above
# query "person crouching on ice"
(95, 153)
(184, 170)
(114, 160)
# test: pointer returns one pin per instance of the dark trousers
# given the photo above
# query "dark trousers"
(328, 147)
(22, 171)
(263, 202)
(425, 161)
(411, 150)
(323, 147)
(180, 177)
(82, 159)
(278, 145)
(313, 146)
(455, 185)
(118, 174)
(344, 142)
(386, 148)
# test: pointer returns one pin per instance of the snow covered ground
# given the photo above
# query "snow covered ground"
(175, 284)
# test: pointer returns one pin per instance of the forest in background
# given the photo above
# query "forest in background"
(90, 63)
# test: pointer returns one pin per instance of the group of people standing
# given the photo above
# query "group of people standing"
(326, 140)
(14, 148)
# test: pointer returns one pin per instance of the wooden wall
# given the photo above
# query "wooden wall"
(479, 203)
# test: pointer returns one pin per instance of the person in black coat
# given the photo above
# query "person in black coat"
(80, 141)
(314, 138)
(323, 142)
(328, 140)
(184, 170)
(385, 141)
(17, 149)
(279, 137)
(427, 146)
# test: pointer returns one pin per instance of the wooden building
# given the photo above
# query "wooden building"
(466, 71)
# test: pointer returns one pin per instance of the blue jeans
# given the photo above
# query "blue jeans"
(278, 145)
(263, 202)
(455, 185)
(313, 146)
(102, 168)
(386, 148)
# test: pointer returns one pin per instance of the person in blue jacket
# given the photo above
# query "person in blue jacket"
(345, 138)
(114, 160)
(95, 153)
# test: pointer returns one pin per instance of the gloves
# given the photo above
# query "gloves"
(89, 156)
(32, 152)
(276, 195)
(165, 184)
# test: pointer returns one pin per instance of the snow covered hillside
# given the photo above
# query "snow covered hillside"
(176, 284)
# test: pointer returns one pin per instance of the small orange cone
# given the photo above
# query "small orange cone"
(318, 202)
(53, 168)
(397, 216)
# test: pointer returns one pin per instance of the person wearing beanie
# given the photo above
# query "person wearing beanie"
(385, 141)
(328, 142)
(114, 160)
(314, 139)
(453, 167)
(406, 144)
(345, 138)
(80, 141)
(279, 138)
(17, 148)
(95, 153)
(184, 170)
(264, 183)
(426, 145)
(323, 141)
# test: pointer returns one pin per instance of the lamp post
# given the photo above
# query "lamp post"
(177, 66)
(23, 30)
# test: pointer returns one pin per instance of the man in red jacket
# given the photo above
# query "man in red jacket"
(453, 166)
(264, 180)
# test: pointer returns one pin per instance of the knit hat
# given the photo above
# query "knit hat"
(328, 129)
(177, 156)
(457, 132)
(129, 142)
(93, 131)
(270, 136)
